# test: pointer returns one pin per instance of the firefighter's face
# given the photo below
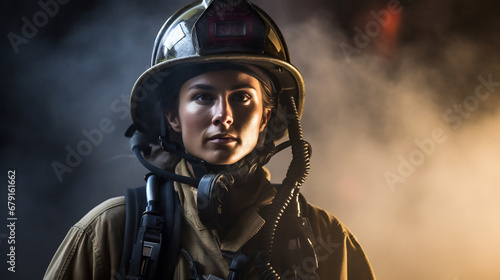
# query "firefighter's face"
(220, 116)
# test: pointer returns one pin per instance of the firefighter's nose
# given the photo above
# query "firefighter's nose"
(223, 114)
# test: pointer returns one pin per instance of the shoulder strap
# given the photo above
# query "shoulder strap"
(172, 213)
(295, 241)
(305, 224)
(135, 204)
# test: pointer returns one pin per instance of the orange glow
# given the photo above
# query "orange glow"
(387, 42)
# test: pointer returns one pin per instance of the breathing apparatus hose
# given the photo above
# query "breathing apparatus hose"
(139, 143)
(296, 175)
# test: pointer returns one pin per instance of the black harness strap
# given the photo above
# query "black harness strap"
(295, 243)
(135, 205)
(171, 211)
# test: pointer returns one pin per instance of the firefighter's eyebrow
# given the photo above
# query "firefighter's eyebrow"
(201, 86)
(242, 86)
(209, 87)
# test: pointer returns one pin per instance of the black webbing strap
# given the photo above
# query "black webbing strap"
(173, 222)
(171, 211)
(135, 205)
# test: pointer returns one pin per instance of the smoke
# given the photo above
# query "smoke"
(405, 146)
(369, 113)
(65, 135)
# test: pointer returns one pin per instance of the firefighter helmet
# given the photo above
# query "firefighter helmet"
(214, 32)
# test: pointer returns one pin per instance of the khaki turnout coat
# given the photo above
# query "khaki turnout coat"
(92, 248)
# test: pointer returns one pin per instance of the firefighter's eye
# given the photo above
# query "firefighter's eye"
(241, 97)
(203, 97)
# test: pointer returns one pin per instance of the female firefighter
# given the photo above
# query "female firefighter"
(219, 94)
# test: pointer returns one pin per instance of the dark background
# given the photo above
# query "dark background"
(363, 113)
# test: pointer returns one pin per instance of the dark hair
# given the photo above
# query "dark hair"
(267, 95)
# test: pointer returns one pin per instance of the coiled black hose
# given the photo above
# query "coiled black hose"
(296, 175)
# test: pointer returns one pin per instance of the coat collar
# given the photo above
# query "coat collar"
(247, 224)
